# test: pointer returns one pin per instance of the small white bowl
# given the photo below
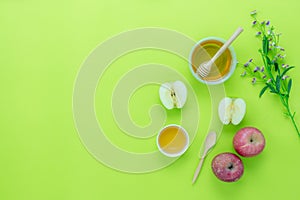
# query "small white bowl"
(223, 78)
(183, 149)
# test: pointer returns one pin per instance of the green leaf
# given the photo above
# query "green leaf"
(278, 84)
(276, 67)
(271, 88)
(265, 42)
(289, 86)
(263, 91)
(268, 60)
(286, 70)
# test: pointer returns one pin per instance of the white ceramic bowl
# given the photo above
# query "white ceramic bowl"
(177, 153)
(223, 78)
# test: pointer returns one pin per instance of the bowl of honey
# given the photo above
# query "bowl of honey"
(223, 67)
(172, 140)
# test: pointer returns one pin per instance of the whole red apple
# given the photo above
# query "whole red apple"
(227, 167)
(248, 142)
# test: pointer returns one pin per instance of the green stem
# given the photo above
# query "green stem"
(267, 67)
(285, 102)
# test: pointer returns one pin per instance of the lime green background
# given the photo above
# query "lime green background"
(42, 45)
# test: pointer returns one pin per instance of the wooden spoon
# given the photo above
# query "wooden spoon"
(210, 141)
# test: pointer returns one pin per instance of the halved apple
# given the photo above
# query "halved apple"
(173, 95)
(232, 110)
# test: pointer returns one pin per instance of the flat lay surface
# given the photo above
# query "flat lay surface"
(45, 43)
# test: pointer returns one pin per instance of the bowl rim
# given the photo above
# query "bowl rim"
(233, 61)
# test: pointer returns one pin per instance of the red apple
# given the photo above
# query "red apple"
(248, 142)
(227, 167)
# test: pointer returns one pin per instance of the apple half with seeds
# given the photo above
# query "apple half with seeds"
(232, 110)
(173, 94)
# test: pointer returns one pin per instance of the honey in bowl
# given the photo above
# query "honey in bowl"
(172, 140)
(204, 52)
